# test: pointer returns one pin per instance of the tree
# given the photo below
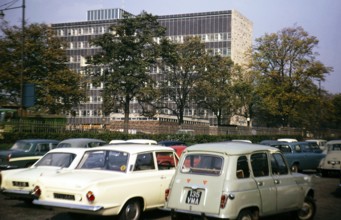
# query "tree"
(184, 66)
(42, 64)
(288, 69)
(128, 52)
(215, 91)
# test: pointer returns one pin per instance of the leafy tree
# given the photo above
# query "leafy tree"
(128, 52)
(185, 65)
(288, 69)
(41, 63)
(215, 91)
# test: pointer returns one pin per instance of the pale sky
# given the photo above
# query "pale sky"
(320, 18)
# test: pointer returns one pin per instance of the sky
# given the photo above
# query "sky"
(320, 18)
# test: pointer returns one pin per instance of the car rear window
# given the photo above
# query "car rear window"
(204, 164)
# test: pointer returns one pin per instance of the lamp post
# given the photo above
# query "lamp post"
(2, 15)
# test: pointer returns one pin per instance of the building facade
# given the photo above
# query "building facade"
(227, 33)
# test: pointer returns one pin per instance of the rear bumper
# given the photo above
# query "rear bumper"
(18, 194)
(87, 208)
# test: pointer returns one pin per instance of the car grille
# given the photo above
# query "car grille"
(20, 184)
(63, 196)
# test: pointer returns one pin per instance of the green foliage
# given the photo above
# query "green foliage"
(184, 67)
(38, 59)
(288, 69)
(128, 51)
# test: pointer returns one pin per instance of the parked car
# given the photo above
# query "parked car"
(234, 180)
(81, 143)
(119, 180)
(331, 164)
(300, 155)
(169, 143)
(287, 140)
(25, 152)
(19, 183)
(319, 142)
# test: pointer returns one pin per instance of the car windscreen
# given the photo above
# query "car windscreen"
(22, 146)
(105, 160)
(56, 159)
(203, 164)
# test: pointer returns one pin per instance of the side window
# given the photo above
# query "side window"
(278, 165)
(243, 170)
(43, 148)
(144, 161)
(259, 163)
(298, 148)
(166, 160)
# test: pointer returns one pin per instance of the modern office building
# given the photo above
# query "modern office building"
(227, 33)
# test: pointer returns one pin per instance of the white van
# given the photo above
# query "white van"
(235, 180)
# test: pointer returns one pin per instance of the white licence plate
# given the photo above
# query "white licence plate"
(193, 197)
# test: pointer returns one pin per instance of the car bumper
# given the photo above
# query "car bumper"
(87, 208)
(18, 194)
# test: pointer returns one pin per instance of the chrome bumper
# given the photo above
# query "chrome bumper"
(68, 205)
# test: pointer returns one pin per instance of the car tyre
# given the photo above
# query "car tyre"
(131, 211)
(308, 210)
(245, 215)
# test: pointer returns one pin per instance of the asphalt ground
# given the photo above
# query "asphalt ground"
(328, 202)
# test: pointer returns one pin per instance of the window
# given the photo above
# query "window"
(166, 160)
(202, 164)
(43, 148)
(144, 161)
(243, 170)
(278, 165)
(259, 163)
(57, 159)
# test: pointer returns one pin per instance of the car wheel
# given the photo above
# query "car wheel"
(245, 215)
(308, 209)
(295, 168)
(131, 211)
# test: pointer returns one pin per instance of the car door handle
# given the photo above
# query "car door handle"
(277, 182)
(163, 177)
(260, 183)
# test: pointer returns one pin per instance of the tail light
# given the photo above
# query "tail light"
(36, 191)
(223, 201)
(90, 196)
(167, 191)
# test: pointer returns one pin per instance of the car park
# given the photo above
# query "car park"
(300, 155)
(119, 180)
(331, 164)
(19, 183)
(233, 180)
(81, 143)
(25, 152)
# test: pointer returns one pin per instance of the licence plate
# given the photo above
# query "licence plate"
(193, 197)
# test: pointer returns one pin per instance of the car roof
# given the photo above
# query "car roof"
(68, 150)
(38, 140)
(334, 142)
(133, 148)
(230, 148)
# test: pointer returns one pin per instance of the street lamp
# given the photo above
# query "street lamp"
(2, 15)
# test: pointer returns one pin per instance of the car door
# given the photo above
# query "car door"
(265, 182)
(287, 191)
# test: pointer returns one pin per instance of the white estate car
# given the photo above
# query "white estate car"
(119, 180)
(331, 163)
(19, 183)
(232, 180)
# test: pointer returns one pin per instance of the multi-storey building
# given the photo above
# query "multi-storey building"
(227, 33)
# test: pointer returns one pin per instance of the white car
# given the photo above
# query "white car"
(234, 180)
(331, 163)
(19, 183)
(289, 140)
(119, 180)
